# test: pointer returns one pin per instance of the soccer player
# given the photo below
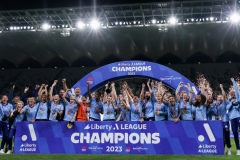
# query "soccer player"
(186, 105)
(96, 106)
(56, 109)
(108, 108)
(174, 111)
(234, 114)
(125, 114)
(160, 105)
(76, 92)
(5, 112)
(31, 110)
(43, 105)
(221, 115)
(211, 107)
(147, 104)
(199, 108)
(70, 109)
(16, 117)
(83, 110)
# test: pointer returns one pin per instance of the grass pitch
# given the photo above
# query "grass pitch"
(119, 157)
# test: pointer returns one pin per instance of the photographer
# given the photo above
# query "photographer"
(5, 111)
(16, 116)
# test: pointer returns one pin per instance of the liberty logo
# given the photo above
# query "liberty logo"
(32, 133)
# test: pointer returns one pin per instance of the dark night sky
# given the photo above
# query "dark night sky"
(34, 4)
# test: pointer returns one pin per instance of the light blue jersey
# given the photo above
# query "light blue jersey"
(55, 108)
(136, 111)
(70, 110)
(5, 110)
(30, 112)
(211, 110)
(126, 114)
(149, 110)
(108, 112)
(42, 110)
(95, 105)
(200, 113)
(221, 112)
(186, 108)
(19, 118)
(118, 110)
(233, 110)
(233, 107)
(162, 108)
(173, 111)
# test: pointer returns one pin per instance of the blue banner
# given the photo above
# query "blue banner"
(191, 137)
(130, 69)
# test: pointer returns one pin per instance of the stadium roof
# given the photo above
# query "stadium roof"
(202, 33)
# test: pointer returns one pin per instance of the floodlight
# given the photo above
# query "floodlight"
(45, 26)
(80, 25)
(235, 17)
(95, 24)
(172, 20)
(154, 21)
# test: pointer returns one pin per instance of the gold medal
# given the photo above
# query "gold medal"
(185, 112)
(108, 112)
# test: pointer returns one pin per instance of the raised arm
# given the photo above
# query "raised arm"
(46, 92)
(64, 82)
(105, 94)
(40, 91)
(89, 92)
(153, 92)
(11, 93)
(149, 88)
(126, 103)
(177, 91)
(223, 93)
(51, 90)
(113, 92)
(24, 95)
(142, 92)
(235, 88)
(35, 91)
(191, 96)
(129, 96)
(64, 96)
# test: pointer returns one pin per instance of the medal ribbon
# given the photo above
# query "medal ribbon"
(158, 107)
(173, 109)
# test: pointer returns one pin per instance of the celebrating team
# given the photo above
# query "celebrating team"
(155, 104)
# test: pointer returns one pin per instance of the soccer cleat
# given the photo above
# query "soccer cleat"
(9, 152)
(238, 152)
(2, 152)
